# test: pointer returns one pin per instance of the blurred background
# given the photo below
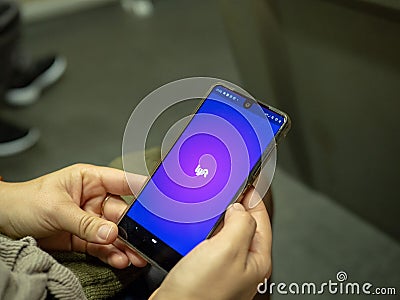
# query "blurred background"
(332, 65)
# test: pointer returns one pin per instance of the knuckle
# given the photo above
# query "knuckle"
(81, 167)
(85, 224)
(269, 272)
(78, 166)
(267, 269)
(227, 250)
(263, 270)
(248, 219)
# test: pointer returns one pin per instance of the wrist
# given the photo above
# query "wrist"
(12, 210)
(165, 293)
(5, 203)
(157, 295)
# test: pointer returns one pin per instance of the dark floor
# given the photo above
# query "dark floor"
(115, 59)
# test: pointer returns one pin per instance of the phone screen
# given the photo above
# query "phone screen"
(207, 161)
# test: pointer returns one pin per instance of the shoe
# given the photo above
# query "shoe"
(27, 83)
(14, 140)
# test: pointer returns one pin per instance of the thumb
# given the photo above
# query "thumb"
(239, 228)
(88, 227)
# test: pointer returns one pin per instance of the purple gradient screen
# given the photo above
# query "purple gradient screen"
(205, 167)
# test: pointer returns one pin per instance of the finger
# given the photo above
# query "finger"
(116, 181)
(109, 254)
(86, 226)
(250, 197)
(238, 231)
(134, 257)
(260, 215)
(136, 182)
(114, 208)
(260, 249)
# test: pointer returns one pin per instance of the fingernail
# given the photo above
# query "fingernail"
(228, 211)
(238, 206)
(234, 206)
(104, 232)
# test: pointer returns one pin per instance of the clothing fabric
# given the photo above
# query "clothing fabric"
(27, 272)
(99, 280)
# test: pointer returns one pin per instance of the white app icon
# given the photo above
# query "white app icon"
(200, 171)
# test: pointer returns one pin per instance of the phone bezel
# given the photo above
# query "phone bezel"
(166, 263)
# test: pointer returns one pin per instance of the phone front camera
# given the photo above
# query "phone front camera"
(247, 104)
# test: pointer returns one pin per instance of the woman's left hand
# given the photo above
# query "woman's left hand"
(65, 210)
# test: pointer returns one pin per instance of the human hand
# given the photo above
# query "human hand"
(229, 265)
(63, 211)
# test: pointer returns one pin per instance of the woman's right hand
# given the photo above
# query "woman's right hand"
(229, 265)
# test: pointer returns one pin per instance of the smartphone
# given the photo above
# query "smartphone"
(215, 158)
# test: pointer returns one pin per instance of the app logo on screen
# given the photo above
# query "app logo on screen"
(201, 171)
